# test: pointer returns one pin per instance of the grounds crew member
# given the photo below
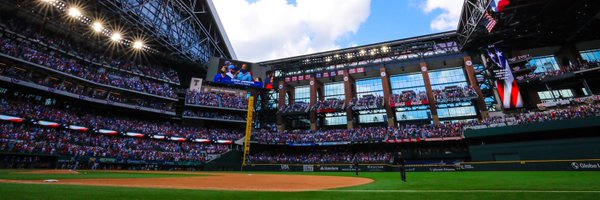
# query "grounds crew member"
(356, 165)
(399, 160)
(403, 170)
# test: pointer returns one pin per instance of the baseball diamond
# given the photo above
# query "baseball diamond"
(299, 99)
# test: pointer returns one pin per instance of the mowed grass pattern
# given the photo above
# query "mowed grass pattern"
(387, 185)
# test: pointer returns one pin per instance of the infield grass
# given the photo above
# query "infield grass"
(421, 185)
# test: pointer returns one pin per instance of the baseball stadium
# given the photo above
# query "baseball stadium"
(146, 99)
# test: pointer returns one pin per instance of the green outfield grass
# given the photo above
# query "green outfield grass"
(421, 185)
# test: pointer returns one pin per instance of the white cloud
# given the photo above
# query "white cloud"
(449, 16)
(271, 29)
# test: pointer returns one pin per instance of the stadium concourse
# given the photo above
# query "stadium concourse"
(91, 104)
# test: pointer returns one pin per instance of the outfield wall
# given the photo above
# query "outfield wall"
(348, 168)
(522, 165)
(558, 125)
(555, 149)
(535, 165)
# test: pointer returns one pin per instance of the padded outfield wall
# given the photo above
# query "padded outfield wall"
(572, 144)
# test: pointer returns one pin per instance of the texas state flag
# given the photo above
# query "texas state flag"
(508, 89)
(500, 5)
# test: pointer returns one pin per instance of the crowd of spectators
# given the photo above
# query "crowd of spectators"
(38, 54)
(425, 131)
(563, 70)
(321, 136)
(213, 99)
(407, 98)
(454, 94)
(25, 138)
(74, 87)
(297, 107)
(63, 43)
(319, 157)
(443, 130)
(329, 105)
(82, 116)
(560, 113)
(367, 102)
(213, 115)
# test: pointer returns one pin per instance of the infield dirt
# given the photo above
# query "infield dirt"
(218, 181)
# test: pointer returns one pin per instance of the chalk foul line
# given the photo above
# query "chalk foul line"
(466, 191)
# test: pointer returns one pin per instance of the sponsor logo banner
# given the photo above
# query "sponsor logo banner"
(585, 165)
(329, 168)
(308, 168)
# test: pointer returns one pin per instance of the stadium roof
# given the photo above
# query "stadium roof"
(530, 23)
(394, 50)
(189, 28)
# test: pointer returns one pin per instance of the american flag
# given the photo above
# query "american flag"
(508, 89)
(490, 22)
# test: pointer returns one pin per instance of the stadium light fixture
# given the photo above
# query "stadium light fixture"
(362, 52)
(97, 26)
(138, 44)
(115, 37)
(74, 12)
(385, 49)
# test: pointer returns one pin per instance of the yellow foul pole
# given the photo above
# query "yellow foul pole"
(249, 120)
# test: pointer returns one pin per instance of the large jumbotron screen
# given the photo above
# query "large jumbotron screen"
(235, 72)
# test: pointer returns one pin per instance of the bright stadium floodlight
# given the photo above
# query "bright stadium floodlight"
(97, 26)
(115, 37)
(46, 1)
(138, 45)
(385, 49)
(74, 12)
(362, 52)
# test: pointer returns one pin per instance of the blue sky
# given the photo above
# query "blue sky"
(392, 20)
(262, 30)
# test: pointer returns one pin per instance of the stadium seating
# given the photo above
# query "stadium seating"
(329, 105)
(297, 107)
(409, 133)
(564, 70)
(81, 116)
(213, 115)
(73, 87)
(319, 157)
(454, 94)
(24, 138)
(54, 41)
(212, 99)
(408, 98)
(367, 102)
(39, 54)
